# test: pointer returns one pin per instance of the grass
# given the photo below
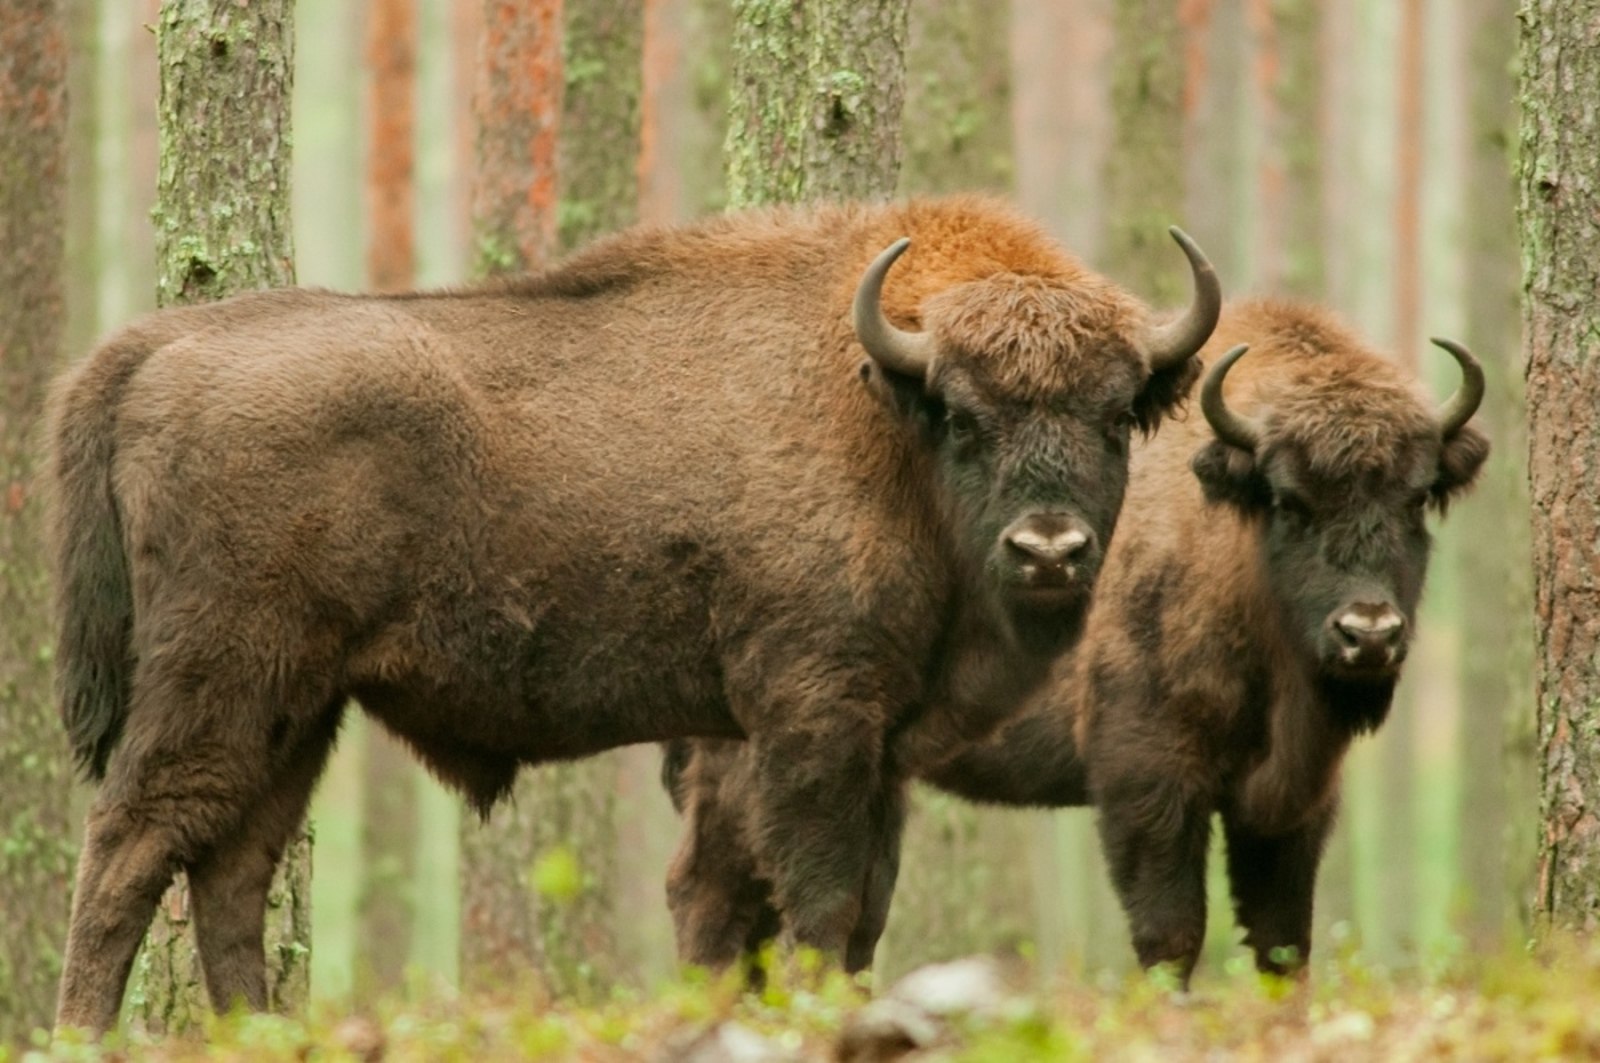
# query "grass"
(1508, 1007)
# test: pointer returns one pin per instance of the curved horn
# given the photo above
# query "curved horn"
(906, 353)
(1230, 427)
(1459, 408)
(1166, 346)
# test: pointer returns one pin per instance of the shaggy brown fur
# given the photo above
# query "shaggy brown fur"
(641, 496)
(1205, 680)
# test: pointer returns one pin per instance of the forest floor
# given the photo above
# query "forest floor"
(1519, 1007)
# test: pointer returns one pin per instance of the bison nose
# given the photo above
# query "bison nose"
(1049, 541)
(1368, 631)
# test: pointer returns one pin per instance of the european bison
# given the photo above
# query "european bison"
(1250, 620)
(639, 496)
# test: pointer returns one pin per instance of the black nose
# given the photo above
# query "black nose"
(1367, 631)
(1049, 539)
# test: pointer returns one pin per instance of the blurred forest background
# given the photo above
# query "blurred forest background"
(1355, 153)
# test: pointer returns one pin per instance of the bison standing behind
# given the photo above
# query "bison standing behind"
(1250, 620)
(643, 495)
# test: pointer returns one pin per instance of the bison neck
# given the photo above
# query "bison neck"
(1311, 722)
(989, 663)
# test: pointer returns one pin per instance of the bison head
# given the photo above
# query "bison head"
(1340, 471)
(1025, 390)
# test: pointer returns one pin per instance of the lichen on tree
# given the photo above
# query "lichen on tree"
(222, 226)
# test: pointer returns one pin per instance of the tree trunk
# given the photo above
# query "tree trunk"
(1498, 635)
(389, 772)
(222, 227)
(959, 892)
(82, 325)
(1392, 926)
(1219, 134)
(1560, 63)
(1289, 250)
(35, 851)
(708, 59)
(558, 166)
(818, 87)
(1143, 178)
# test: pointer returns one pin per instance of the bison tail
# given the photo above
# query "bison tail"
(94, 599)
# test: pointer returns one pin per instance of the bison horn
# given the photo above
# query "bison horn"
(1460, 407)
(1230, 427)
(906, 353)
(1166, 346)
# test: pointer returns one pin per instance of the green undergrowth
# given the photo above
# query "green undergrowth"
(1543, 1005)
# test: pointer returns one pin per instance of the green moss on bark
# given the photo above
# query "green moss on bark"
(816, 95)
(222, 222)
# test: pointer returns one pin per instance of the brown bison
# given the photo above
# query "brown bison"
(1250, 620)
(640, 496)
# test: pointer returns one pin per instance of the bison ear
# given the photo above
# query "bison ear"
(1460, 460)
(1164, 394)
(1228, 475)
(905, 395)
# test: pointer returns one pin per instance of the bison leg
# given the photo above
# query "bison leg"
(126, 863)
(881, 876)
(1155, 835)
(229, 883)
(720, 906)
(1273, 881)
(142, 828)
(819, 823)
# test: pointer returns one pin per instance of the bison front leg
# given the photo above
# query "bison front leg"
(1274, 882)
(1155, 834)
(882, 872)
(820, 828)
(721, 908)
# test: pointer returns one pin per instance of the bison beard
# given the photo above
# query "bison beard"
(639, 497)
(1213, 675)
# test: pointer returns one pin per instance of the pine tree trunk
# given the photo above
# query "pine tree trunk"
(559, 116)
(35, 848)
(818, 87)
(389, 772)
(222, 227)
(959, 891)
(1143, 179)
(1498, 636)
(1289, 252)
(1391, 926)
(708, 57)
(82, 326)
(1219, 130)
(1560, 64)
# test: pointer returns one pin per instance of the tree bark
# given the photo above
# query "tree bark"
(818, 88)
(557, 166)
(1560, 66)
(223, 227)
(35, 848)
(959, 892)
(389, 772)
(518, 100)
(1143, 177)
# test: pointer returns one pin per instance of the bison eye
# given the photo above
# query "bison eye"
(961, 426)
(1122, 424)
(1291, 504)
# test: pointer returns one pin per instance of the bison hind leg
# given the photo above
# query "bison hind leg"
(229, 883)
